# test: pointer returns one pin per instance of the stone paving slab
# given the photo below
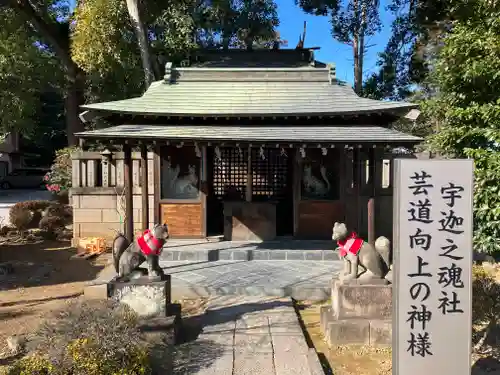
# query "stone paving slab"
(247, 325)
(298, 279)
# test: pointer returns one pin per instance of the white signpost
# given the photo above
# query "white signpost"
(432, 290)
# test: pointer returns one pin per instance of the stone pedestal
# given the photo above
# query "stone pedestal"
(148, 298)
(359, 314)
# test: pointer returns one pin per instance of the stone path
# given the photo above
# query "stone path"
(248, 335)
(298, 279)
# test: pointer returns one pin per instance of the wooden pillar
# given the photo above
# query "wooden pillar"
(129, 201)
(356, 166)
(204, 189)
(144, 187)
(297, 185)
(248, 195)
(372, 200)
(157, 184)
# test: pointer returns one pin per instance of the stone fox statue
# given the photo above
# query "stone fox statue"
(127, 257)
(355, 252)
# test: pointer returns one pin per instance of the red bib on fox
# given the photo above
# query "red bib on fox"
(149, 244)
(351, 244)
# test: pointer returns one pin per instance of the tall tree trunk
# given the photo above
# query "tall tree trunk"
(355, 45)
(74, 98)
(361, 44)
(358, 75)
(142, 39)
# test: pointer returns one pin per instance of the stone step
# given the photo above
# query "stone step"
(206, 255)
(298, 292)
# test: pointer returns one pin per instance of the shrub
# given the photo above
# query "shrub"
(20, 217)
(485, 301)
(51, 224)
(55, 218)
(32, 365)
(59, 177)
(90, 338)
(24, 215)
(485, 295)
(63, 211)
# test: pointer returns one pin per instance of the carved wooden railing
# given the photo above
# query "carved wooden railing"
(94, 170)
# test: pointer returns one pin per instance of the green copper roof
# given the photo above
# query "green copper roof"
(250, 92)
(309, 134)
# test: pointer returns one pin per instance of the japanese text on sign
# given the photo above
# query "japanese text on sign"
(433, 256)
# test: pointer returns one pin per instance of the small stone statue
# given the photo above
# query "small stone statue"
(128, 257)
(355, 252)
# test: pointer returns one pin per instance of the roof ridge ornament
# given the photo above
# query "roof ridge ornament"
(168, 73)
(332, 78)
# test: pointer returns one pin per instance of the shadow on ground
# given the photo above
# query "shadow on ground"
(486, 365)
(191, 355)
(42, 264)
(195, 352)
(225, 314)
(489, 362)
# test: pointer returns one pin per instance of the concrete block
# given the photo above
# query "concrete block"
(291, 363)
(361, 301)
(348, 331)
(325, 316)
(205, 359)
(98, 201)
(164, 331)
(260, 255)
(146, 297)
(105, 230)
(294, 255)
(381, 332)
(290, 344)
(137, 200)
(76, 230)
(75, 201)
(313, 255)
(330, 255)
(251, 364)
(112, 216)
(277, 255)
(81, 215)
(151, 213)
(315, 367)
(253, 340)
(239, 255)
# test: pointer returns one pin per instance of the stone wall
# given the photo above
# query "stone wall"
(100, 212)
(97, 193)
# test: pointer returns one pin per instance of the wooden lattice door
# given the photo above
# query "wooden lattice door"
(230, 173)
(269, 174)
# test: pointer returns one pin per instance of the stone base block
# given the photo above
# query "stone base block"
(161, 333)
(348, 331)
(146, 297)
(381, 332)
(354, 301)
(357, 331)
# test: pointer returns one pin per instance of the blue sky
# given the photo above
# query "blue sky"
(318, 35)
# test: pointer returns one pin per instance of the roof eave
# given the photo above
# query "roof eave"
(399, 111)
(404, 142)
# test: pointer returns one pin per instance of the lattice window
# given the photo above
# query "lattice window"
(269, 173)
(230, 173)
